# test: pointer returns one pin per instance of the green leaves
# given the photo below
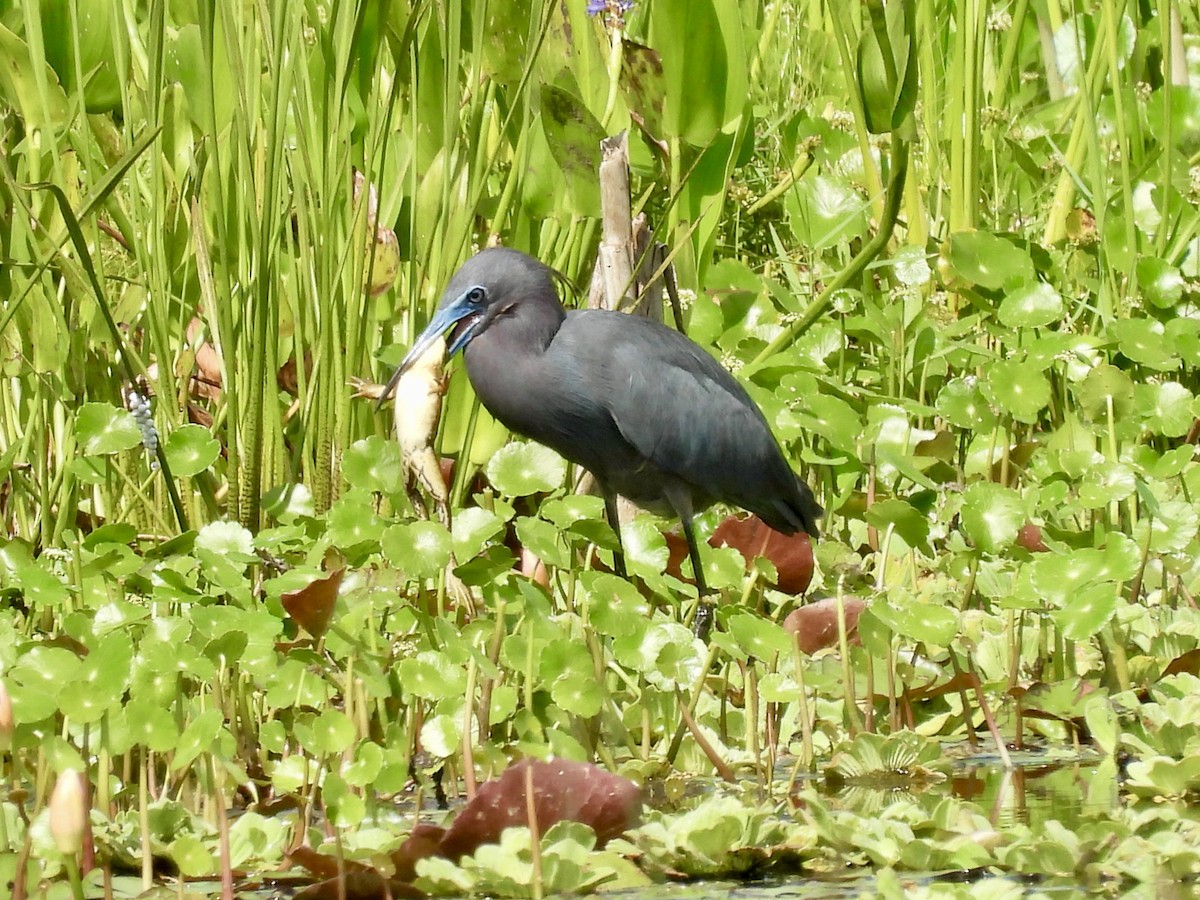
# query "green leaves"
(420, 549)
(1104, 387)
(521, 468)
(573, 136)
(701, 48)
(887, 67)
(1018, 388)
(374, 465)
(101, 428)
(983, 259)
(825, 211)
(991, 516)
(190, 450)
(1031, 306)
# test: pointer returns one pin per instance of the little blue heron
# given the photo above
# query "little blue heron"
(651, 414)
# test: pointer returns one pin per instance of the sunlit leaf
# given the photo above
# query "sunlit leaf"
(1105, 484)
(992, 514)
(431, 675)
(1171, 529)
(900, 515)
(523, 467)
(982, 258)
(103, 428)
(373, 464)
(1085, 612)
(1143, 341)
(228, 539)
(1103, 386)
(1018, 388)
(419, 549)
(1162, 284)
(825, 211)
(542, 539)
(472, 528)
(1168, 408)
(1031, 306)
(832, 418)
(962, 404)
(190, 450)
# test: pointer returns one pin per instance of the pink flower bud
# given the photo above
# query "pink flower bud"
(6, 720)
(69, 811)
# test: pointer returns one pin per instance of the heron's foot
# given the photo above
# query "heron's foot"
(702, 623)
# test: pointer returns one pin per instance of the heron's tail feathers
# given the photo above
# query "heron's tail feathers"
(807, 510)
(798, 512)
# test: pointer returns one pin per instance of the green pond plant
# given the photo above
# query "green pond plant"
(952, 251)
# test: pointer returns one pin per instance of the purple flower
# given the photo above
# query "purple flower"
(614, 7)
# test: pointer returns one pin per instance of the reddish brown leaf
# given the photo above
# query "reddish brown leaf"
(360, 885)
(791, 555)
(206, 376)
(963, 681)
(1030, 537)
(424, 841)
(816, 624)
(562, 790)
(199, 416)
(312, 605)
(322, 865)
(1189, 662)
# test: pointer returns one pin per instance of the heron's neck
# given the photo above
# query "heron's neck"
(507, 362)
(527, 330)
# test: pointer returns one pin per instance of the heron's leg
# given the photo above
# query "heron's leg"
(614, 521)
(702, 624)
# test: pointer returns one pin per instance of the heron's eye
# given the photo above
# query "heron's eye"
(476, 295)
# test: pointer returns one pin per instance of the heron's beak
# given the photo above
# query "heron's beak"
(447, 315)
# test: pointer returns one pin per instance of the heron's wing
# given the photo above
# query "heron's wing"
(683, 412)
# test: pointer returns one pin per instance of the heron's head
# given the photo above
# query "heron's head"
(493, 284)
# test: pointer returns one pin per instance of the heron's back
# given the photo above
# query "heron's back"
(647, 410)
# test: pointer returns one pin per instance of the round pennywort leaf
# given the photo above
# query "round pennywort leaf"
(190, 450)
(992, 514)
(373, 464)
(102, 428)
(989, 261)
(1018, 388)
(1031, 306)
(421, 549)
(522, 468)
(1104, 384)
